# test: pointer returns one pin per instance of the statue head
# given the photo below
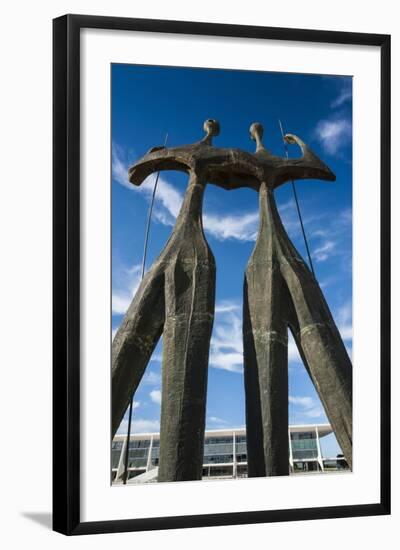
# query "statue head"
(278, 170)
(211, 127)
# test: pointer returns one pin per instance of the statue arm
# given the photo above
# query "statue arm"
(309, 165)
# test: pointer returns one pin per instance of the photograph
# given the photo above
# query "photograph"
(232, 280)
(221, 263)
(198, 274)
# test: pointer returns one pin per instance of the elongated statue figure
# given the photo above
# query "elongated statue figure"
(281, 292)
(176, 298)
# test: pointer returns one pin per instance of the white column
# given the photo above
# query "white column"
(290, 451)
(121, 468)
(234, 456)
(321, 462)
(148, 465)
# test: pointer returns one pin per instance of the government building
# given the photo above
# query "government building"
(225, 454)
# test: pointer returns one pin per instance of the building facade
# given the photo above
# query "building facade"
(225, 454)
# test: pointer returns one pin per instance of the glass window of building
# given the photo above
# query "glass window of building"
(139, 444)
(116, 453)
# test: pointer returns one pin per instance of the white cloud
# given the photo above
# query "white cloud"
(226, 306)
(242, 227)
(306, 406)
(156, 357)
(290, 218)
(217, 420)
(167, 195)
(125, 284)
(232, 362)
(314, 412)
(120, 167)
(155, 396)
(343, 318)
(332, 242)
(151, 378)
(345, 217)
(346, 332)
(323, 252)
(344, 95)
(140, 425)
(293, 352)
(305, 402)
(333, 134)
(226, 349)
(120, 303)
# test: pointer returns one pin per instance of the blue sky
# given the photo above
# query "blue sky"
(147, 103)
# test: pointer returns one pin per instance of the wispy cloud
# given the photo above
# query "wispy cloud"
(293, 352)
(344, 95)
(333, 134)
(217, 420)
(306, 406)
(155, 396)
(322, 253)
(343, 318)
(141, 425)
(226, 350)
(290, 218)
(156, 357)
(304, 402)
(151, 378)
(168, 198)
(333, 241)
(227, 306)
(126, 281)
(242, 227)
(231, 361)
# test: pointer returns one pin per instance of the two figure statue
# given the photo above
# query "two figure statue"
(176, 298)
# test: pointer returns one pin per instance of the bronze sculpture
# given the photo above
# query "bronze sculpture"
(176, 298)
(280, 292)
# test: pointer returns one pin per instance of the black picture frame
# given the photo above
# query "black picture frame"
(66, 273)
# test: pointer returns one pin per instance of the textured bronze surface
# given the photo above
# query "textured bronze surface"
(280, 291)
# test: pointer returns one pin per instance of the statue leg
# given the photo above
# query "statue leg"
(316, 334)
(176, 297)
(266, 368)
(322, 350)
(189, 301)
(265, 353)
(135, 341)
(254, 423)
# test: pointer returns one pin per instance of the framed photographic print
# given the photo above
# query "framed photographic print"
(221, 262)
